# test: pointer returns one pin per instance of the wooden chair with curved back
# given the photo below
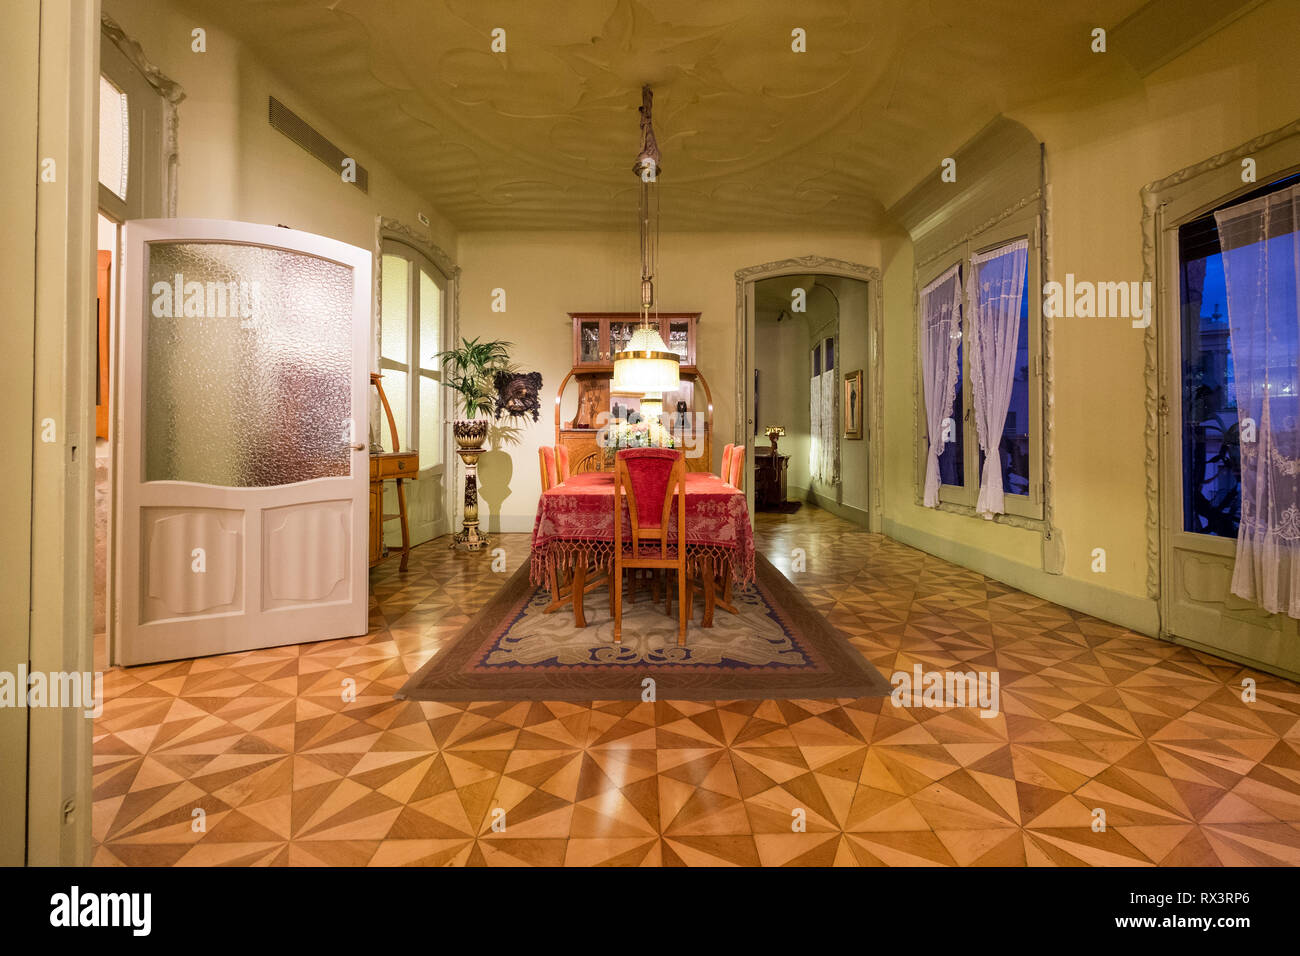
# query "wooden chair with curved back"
(651, 479)
(725, 471)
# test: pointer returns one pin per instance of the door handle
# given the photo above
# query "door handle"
(358, 446)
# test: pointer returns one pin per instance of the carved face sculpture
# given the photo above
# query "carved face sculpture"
(517, 394)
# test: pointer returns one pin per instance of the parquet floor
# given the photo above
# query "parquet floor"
(1091, 717)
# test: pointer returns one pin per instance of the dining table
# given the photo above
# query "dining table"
(574, 531)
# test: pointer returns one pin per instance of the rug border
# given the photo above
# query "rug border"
(836, 651)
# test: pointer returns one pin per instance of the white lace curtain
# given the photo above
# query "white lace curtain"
(821, 412)
(1261, 268)
(940, 337)
(996, 293)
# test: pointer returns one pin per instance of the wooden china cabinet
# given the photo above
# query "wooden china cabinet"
(597, 337)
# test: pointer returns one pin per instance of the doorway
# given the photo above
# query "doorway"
(819, 322)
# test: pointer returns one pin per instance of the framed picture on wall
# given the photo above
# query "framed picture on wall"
(853, 404)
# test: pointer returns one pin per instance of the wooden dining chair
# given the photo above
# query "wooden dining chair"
(737, 475)
(554, 465)
(651, 479)
(725, 471)
(550, 473)
(715, 580)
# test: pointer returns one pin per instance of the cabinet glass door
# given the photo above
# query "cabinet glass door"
(620, 334)
(678, 337)
(589, 342)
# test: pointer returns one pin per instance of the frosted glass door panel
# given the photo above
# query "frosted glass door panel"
(247, 366)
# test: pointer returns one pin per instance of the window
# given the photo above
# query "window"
(989, 279)
(1211, 439)
(114, 138)
(411, 311)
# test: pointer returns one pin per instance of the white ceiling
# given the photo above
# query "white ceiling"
(753, 135)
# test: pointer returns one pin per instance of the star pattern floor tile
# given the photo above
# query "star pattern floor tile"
(300, 756)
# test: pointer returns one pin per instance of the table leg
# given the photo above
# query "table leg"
(708, 575)
(406, 532)
(579, 585)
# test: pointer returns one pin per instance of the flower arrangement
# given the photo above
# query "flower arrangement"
(620, 433)
(624, 434)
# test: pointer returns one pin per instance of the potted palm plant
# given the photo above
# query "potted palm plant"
(468, 370)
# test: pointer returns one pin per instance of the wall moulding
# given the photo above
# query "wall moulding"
(821, 265)
(387, 227)
(171, 93)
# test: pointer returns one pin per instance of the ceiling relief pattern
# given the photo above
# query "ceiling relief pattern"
(754, 135)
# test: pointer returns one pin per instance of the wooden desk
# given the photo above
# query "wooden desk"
(389, 466)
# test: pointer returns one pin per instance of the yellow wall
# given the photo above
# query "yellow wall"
(782, 364)
(547, 275)
(233, 165)
(1122, 133)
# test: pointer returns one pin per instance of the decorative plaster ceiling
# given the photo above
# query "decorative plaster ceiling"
(754, 136)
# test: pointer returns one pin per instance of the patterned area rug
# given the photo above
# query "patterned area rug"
(778, 647)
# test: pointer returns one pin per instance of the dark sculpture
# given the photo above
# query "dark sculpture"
(517, 394)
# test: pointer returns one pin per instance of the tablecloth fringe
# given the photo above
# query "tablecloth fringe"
(601, 553)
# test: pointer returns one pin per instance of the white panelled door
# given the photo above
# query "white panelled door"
(244, 481)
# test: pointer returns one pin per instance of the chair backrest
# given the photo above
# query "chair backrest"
(725, 472)
(651, 479)
(738, 467)
(562, 462)
(546, 459)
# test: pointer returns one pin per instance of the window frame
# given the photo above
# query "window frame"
(417, 372)
(1023, 224)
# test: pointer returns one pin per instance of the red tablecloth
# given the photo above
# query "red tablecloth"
(578, 516)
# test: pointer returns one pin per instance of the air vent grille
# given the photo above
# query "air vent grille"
(296, 128)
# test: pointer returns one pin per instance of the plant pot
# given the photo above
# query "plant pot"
(470, 434)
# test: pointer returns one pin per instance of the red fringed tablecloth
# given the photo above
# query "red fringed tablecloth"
(578, 517)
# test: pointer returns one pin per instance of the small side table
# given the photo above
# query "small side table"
(396, 466)
(390, 466)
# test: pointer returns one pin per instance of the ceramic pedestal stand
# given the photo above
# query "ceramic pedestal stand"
(469, 445)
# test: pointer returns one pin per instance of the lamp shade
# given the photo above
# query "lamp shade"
(646, 365)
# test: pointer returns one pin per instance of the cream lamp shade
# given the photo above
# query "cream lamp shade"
(646, 364)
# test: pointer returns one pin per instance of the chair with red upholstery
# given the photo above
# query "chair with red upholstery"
(549, 465)
(737, 475)
(652, 479)
(717, 587)
(725, 471)
(554, 464)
